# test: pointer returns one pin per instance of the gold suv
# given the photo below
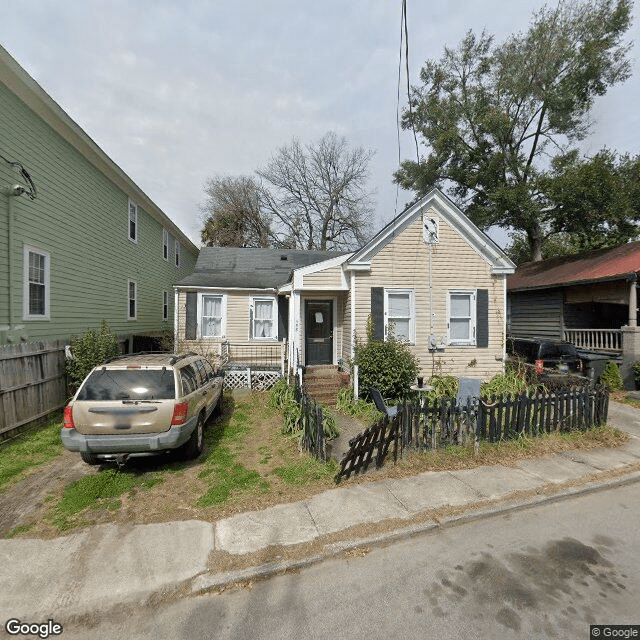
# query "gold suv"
(143, 403)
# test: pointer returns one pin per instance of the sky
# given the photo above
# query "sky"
(178, 92)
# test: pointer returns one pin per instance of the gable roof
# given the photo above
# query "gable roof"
(249, 268)
(594, 266)
(19, 82)
(448, 211)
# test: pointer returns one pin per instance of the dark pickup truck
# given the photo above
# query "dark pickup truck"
(554, 354)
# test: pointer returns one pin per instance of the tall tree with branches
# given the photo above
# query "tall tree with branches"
(316, 194)
(494, 117)
(233, 215)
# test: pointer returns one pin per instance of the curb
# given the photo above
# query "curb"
(208, 582)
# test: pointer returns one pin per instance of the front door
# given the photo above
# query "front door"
(318, 322)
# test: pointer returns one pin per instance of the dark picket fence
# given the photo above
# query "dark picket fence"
(313, 438)
(441, 422)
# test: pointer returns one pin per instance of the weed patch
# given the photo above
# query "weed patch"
(305, 471)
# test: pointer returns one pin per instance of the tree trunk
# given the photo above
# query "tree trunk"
(534, 235)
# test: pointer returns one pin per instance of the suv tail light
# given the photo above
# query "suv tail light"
(180, 413)
(68, 418)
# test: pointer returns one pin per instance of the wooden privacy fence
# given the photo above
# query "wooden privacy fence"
(440, 423)
(313, 438)
(32, 382)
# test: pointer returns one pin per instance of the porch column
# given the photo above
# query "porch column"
(633, 302)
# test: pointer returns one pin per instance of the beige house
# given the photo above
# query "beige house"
(430, 278)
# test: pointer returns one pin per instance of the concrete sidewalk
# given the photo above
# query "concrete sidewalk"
(104, 567)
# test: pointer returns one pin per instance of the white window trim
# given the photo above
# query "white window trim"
(135, 284)
(165, 245)
(471, 342)
(136, 218)
(223, 324)
(177, 254)
(27, 249)
(412, 312)
(165, 303)
(252, 318)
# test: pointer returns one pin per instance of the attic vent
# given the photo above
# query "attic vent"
(283, 257)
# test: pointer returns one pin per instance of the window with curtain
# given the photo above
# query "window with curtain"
(400, 314)
(211, 321)
(263, 318)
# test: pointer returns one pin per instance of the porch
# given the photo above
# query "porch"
(599, 340)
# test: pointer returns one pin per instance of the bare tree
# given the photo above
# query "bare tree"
(316, 194)
(233, 215)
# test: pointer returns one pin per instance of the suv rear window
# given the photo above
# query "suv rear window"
(124, 384)
(557, 350)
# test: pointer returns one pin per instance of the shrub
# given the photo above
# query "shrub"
(90, 350)
(611, 377)
(636, 373)
(388, 366)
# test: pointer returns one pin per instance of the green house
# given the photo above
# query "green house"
(79, 240)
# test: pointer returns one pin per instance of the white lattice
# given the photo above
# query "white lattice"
(248, 379)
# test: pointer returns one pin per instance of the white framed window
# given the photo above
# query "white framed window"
(132, 300)
(36, 287)
(262, 314)
(133, 221)
(399, 314)
(165, 245)
(212, 315)
(177, 253)
(461, 317)
(165, 305)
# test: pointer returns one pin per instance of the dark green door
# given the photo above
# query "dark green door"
(318, 331)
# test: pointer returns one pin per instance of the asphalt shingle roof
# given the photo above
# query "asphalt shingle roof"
(249, 268)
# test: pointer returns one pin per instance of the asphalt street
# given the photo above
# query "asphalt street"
(544, 572)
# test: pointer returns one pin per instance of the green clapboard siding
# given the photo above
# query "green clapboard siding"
(80, 218)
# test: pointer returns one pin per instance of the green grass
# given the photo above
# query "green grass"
(221, 471)
(16, 531)
(30, 450)
(305, 471)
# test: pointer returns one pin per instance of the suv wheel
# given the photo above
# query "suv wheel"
(89, 458)
(192, 448)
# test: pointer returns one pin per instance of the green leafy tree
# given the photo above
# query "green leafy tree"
(492, 116)
(89, 350)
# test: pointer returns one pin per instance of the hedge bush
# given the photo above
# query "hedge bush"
(388, 366)
(88, 351)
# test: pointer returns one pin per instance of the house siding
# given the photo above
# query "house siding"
(403, 263)
(80, 218)
(330, 279)
(536, 314)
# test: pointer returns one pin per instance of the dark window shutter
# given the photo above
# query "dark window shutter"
(283, 318)
(377, 312)
(191, 321)
(482, 318)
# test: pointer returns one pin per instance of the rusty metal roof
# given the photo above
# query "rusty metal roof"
(605, 264)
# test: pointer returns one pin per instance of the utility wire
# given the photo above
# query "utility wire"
(31, 192)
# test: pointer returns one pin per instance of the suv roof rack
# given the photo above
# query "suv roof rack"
(175, 359)
(137, 353)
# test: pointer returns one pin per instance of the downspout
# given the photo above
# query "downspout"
(10, 193)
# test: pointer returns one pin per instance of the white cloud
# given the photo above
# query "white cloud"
(178, 92)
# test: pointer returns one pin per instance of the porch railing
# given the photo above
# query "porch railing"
(607, 340)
